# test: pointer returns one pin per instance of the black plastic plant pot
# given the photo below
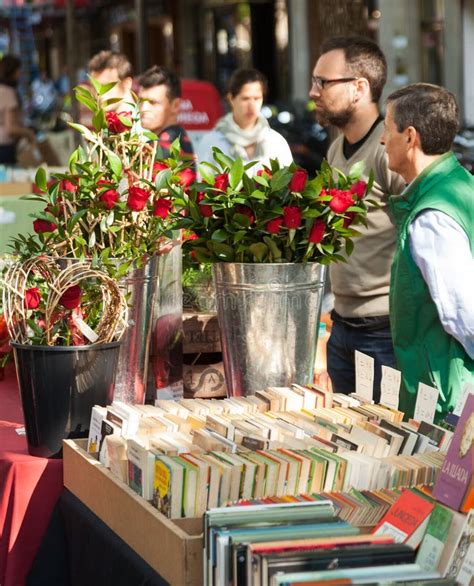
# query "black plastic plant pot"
(59, 385)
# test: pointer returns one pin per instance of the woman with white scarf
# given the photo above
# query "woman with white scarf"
(244, 132)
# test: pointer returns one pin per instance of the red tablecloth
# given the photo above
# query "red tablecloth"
(29, 489)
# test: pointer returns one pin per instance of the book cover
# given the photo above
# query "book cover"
(454, 477)
(404, 517)
(461, 563)
(434, 539)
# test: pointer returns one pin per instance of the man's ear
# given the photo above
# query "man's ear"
(175, 105)
(413, 137)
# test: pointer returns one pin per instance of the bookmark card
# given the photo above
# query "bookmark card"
(467, 390)
(364, 376)
(426, 400)
(390, 387)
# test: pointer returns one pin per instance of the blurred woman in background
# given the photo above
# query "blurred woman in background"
(11, 125)
(244, 132)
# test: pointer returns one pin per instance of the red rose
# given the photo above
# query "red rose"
(109, 198)
(359, 189)
(40, 226)
(114, 124)
(340, 201)
(274, 226)
(246, 211)
(71, 298)
(205, 209)
(187, 177)
(105, 183)
(157, 167)
(222, 181)
(162, 207)
(266, 172)
(292, 217)
(348, 219)
(32, 298)
(137, 198)
(66, 185)
(298, 181)
(317, 231)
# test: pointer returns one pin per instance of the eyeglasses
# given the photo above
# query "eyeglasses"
(321, 83)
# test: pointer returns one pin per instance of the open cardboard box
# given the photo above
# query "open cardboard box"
(173, 548)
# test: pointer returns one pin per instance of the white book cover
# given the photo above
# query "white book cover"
(95, 427)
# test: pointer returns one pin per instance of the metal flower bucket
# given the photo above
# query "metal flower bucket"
(150, 359)
(268, 319)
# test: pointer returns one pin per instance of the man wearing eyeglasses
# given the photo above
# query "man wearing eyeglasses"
(347, 83)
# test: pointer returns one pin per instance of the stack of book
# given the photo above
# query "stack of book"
(299, 543)
(193, 455)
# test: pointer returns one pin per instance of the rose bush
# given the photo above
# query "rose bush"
(111, 209)
(278, 215)
(115, 199)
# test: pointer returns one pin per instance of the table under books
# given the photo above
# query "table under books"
(29, 489)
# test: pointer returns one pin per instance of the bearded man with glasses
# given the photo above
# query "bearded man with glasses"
(347, 83)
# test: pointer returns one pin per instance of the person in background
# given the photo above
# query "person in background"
(431, 292)
(108, 67)
(347, 83)
(11, 125)
(160, 92)
(244, 132)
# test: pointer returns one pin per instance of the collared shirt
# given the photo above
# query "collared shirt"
(441, 250)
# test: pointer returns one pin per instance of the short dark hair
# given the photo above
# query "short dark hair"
(9, 66)
(242, 76)
(364, 58)
(432, 110)
(110, 60)
(158, 75)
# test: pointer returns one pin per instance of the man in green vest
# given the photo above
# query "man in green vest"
(432, 280)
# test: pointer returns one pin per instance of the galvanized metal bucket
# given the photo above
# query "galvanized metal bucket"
(268, 319)
(151, 341)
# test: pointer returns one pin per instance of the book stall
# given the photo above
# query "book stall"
(195, 447)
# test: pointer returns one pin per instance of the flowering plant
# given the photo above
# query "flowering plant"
(53, 305)
(109, 212)
(114, 201)
(276, 216)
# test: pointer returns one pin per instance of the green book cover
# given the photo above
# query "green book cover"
(433, 542)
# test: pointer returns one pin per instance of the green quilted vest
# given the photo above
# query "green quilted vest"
(425, 352)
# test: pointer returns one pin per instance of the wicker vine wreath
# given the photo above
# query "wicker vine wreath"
(113, 321)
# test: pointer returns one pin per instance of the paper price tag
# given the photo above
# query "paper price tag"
(364, 376)
(467, 390)
(85, 330)
(390, 387)
(426, 400)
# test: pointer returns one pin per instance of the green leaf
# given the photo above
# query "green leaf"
(88, 102)
(236, 172)
(98, 120)
(241, 220)
(280, 179)
(150, 135)
(349, 247)
(35, 327)
(257, 194)
(110, 218)
(356, 170)
(92, 240)
(40, 179)
(115, 163)
(262, 180)
(223, 251)
(220, 236)
(206, 173)
(259, 251)
(272, 245)
(223, 160)
(86, 133)
(175, 148)
(162, 178)
(239, 235)
(75, 218)
(126, 121)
